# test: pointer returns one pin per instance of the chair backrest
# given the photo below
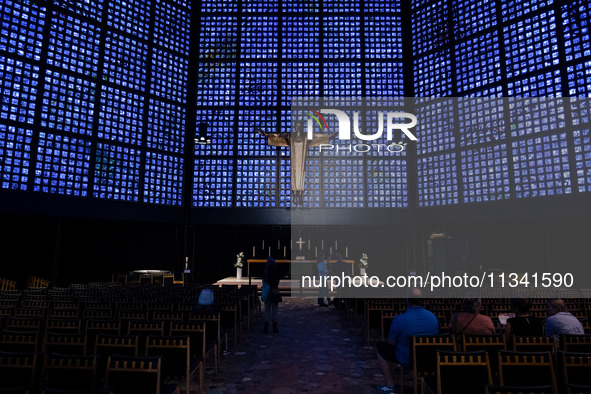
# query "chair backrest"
(489, 343)
(65, 343)
(197, 336)
(175, 353)
(576, 368)
(424, 354)
(533, 344)
(463, 372)
(519, 390)
(17, 369)
(526, 368)
(71, 326)
(144, 328)
(106, 345)
(134, 374)
(65, 371)
(24, 323)
(19, 341)
(575, 343)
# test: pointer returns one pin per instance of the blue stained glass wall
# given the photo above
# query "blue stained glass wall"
(94, 97)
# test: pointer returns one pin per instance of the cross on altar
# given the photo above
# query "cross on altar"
(300, 242)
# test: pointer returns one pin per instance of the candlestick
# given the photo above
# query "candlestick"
(253, 251)
(269, 251)
(316, 251)
(336, 245)
(278, 245)
(263, 244)
(330, 250)
(308, 244)
(346, 251)
(322, 245)
(285, 251)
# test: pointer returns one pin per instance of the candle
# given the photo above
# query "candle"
(330, 250)
(322, 245)
(263, 244)
(278, 245)
(308, 244)
(336, 243)
(316, 251)
(285, 251)
(253, 251)
(269, 251)
(346, 251)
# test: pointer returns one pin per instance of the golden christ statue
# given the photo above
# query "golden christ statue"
(298, 144)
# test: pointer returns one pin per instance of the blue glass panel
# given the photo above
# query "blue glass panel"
(218, 38)
(219, 126)
(169, 76)
(384, 79)
(478, 62)
(89, 9)
(163, 179)
(74, 45)
(132, 17)
(579, 85)
(472, 16)
(259, 38)
(256, 183)
(63, 165)
(485, 174)
(540, 85)
(301, 37)
(18, 85)
(535, 115)
(21, 32)
(512, 9)
(216, 84)
(582, 163)
(385, 6)
(438, 183)
(481, 121)
(299, 80)
(260, 5)
(250, 143)
(435, 131)
(383, 37)
(219, 5)
(301, 5)
(15, 153)
(68, 103)
(541, 166)
(212, 185)
(116, 173)
(342, 39)
(433, 75)
(430, 27)
(166, 127)
(576, 18)
(258, 84)
(387, 184)
(341, 6)
(342, 79)
(343, 183)
(121, 116)
(125, 62)
(172, 28)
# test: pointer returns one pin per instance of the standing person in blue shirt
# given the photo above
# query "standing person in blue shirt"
(322, 273)
(415, 321)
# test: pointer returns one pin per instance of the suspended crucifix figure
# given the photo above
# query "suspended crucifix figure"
(298, 143)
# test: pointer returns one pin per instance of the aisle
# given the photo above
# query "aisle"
(318, 350)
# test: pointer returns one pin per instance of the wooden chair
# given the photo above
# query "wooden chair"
(519, 390)
(106, 345)
(176, 357)
(24, 323)
(214, 331)
(142, 329)
(18, 371)
(65, 343)
(19, 341)
(70, 372)
(199, 348)
(463, 372)
(136, 375)
(424, 357)
(490, 343)
(526, 369)
(575, 343)
(96, 327)
(66, 326)
(533, 344)
(576, 368)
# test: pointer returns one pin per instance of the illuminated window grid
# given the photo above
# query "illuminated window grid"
(172, 27)
(433, 75)
(342, 37)
(576, 19)
(68, 103)
(438, 183)
(535, 115)
(430, 27)
(163, 179)
(343, 185)
(531, 44)
(383, 37)
(220, 128)
(169, 76)
(386, 6)
(540, 85)
(478, 62)
(89, 9)
(182, 3)
(473, 16)
(261, 6)
(387, 184)
(125, 62)
(258, 84)
(21, 32)
(579, 85)
(380, 146)
(311, 195)
(121, 116)
(218, 38)
(342, 80)
(216, 84)
(340, 147)
(511, 9)
(488, 91)
(300, 37)
(116, 173)
(132, 17)
(299, 80)
(18, 84)
(541, 166)
(15, 153)
(415, 4)
(485, 174)
(166, 127)
(256, 183)
(481, 120)
(285, 125)
(212, 185)
(259, 38)
(219, 5)
(435, 131)
(301, 6)
(63, 165)
(285, 183)
(341, 6)
(251, 143)
(383, 79)
(74, 45)
(582, 139)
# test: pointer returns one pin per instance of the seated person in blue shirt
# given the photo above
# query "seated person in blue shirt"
(415, 321)
(560, 321)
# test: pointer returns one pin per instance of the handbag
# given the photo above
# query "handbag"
(265, 291)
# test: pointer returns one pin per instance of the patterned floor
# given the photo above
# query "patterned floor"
(318, 350)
